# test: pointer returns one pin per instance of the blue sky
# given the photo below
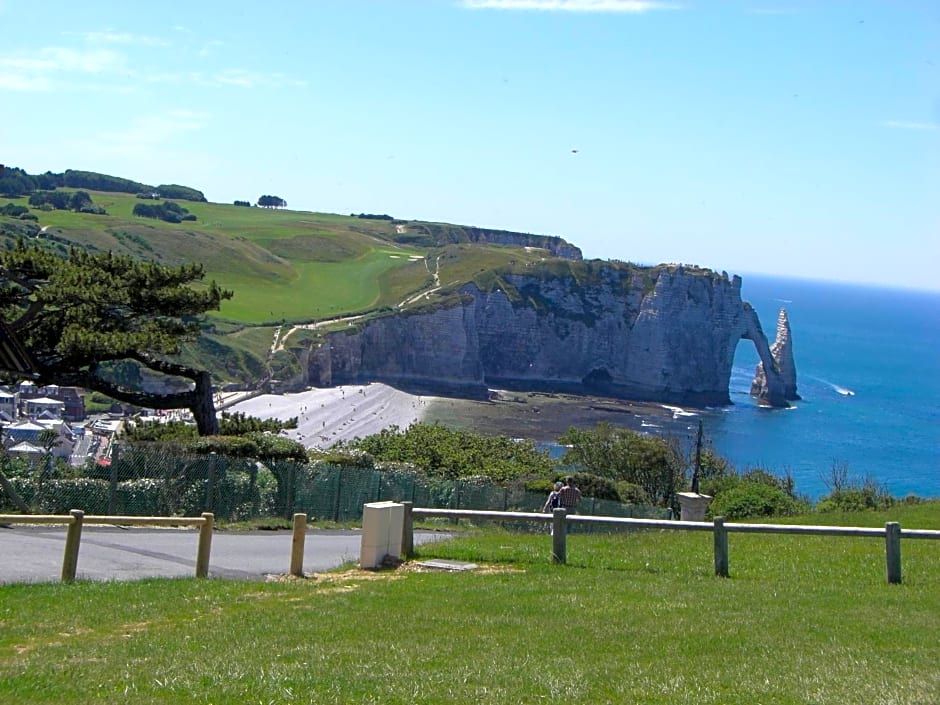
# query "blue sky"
(765, 136)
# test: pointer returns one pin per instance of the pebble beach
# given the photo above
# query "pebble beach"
(327, 416)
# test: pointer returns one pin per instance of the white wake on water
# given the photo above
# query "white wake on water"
(837, 388)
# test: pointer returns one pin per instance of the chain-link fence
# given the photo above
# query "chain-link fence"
(159, 481)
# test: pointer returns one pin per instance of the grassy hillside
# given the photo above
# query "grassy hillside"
(285, 267)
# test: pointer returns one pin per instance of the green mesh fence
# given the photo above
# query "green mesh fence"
(163, 481)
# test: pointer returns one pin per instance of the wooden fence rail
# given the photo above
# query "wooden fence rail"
(76, 518)
(891, 533)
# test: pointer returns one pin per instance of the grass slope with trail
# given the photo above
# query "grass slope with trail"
(287, 268)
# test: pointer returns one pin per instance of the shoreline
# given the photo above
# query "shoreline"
(326, 416)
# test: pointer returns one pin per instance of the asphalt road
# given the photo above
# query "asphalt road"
(32, 554)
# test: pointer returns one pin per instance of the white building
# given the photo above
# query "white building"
(7, 404)
(39, 405)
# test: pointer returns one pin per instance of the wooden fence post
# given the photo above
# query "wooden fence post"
(205, 545)
(559, 535)
(893, 551)
(297, 545)
(408, 531)
(73, 540)
(721, 548)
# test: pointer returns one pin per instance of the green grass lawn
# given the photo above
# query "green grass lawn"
(319, 290)
(637, 617)
(282, 265)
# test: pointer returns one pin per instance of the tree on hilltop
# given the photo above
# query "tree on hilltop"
(167, 211)
(15, 182)
(272, 202)
(75, 316)
(80, 200)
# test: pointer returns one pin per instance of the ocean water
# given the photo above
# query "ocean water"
(868, 369)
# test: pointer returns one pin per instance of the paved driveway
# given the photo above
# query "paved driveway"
(31, 554)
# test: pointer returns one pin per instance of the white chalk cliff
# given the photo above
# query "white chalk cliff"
(667, 334)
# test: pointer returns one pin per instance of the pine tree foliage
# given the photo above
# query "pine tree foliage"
(74, 314)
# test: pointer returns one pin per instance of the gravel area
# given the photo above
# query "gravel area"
(326, 416)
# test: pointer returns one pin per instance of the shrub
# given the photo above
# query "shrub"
(24, 488)
(596, 487)
(182, 192)
(55, 200)
(717, 486)
(454, 454)
(16, 467)
(60, 496)
(267, 490)
(653, 463)
(79, 201)
(237, 497)
(913, 499)
(849, 493)
(753, 499)
(343, 458)
(856, 499)
(765, 477)
(143, 497)
(540, 486)
(237, 446)
(630, 493)
(14, 210)
(167, 211)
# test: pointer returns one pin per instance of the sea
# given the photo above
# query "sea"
(868, 372)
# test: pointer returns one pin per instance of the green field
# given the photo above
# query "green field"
(284, 266)
(637, 617)
(318, 290)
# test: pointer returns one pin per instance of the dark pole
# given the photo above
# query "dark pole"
(698, 458)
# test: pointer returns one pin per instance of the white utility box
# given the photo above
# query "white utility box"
(382, 524)
(692, 506)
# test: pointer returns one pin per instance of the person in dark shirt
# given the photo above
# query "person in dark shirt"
(569, 496)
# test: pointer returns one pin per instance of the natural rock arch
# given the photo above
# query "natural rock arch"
(775, 377)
